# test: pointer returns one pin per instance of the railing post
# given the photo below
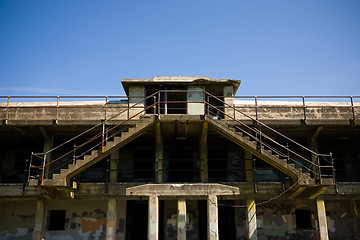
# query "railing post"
(7, 111)
(287, 153)
(304, 109)
(106, 101)
(256, 108)
(102, 136)
(319, 168)
(254, 175)
(154, 105)
(57, 109)
(43, 169)
(26, 177)
(352, 121)
(159, 103)
(74, 155)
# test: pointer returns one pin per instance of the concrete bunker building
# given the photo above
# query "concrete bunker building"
(179, 158)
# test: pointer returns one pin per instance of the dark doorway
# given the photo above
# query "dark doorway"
(136, 220)
(227, 225)
(202, 205)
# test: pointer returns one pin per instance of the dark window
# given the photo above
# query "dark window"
(57, 220)
(303, 218)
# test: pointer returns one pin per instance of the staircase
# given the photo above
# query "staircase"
(63, 178)
(249, 144)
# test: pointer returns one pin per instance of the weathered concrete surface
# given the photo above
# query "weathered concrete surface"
(321, 214)
(111, 220)
(251, 225)
(181, 220)
(196, 189)
(213, 218)
(153, 224)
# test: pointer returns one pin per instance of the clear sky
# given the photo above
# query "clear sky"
(84, 47)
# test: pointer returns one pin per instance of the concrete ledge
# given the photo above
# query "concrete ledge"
(202, 189)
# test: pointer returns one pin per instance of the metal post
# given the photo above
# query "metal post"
(304, 107)
(106, 101)
(26, 177)
(43, 170)
(165, 100)
(254, 175)
(256, 108)
(159, 103)
(208, 103)
(7, 110)
(352, 121)
(57, 109)
(74, 155)
(102, 136)
(287, 153)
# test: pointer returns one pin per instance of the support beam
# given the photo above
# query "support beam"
(321, 214)
(159, 154)
(122, 219)
(111, 220)
(204, 153)
(181, 220)
(114, 164)
(251, 227)
(212, 212)
(153, 218)
(48, 145)
(248, 164)
(38, 233)
(314, 146)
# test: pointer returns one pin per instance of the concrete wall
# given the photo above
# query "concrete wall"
(85, 219)
(17, 219)
(343, 218)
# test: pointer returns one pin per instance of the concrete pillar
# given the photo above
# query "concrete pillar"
(48, 145)
(321, 214)
(181, 220)
(111, 220)
(314, 146)
(204, 153)
(39, 220)
(136, 96)
(122, 219)
(159, 154)
(248, 164)
(251, 227)
(114, 161)
(153, 218)
(228, 93)
(212, 216)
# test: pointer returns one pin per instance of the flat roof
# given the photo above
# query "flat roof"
(188, 80)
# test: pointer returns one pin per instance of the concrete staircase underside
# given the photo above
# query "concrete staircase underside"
(296, 174)
(63, 178)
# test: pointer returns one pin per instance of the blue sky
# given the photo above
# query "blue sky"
(84, 47)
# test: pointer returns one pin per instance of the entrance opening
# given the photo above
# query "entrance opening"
(137, 220)
(202, 206)
(57, 220)
(227, 226)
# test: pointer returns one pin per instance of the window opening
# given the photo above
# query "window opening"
(57, 220)
(303, 218)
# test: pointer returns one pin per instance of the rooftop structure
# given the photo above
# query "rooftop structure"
(179, 158)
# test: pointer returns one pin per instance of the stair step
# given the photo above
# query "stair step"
(72, 167)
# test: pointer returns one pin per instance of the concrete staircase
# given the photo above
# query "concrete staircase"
(296, 174)
(63, 178)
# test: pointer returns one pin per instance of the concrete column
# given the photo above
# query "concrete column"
(114, 161)
(111, 220)
(153, 218)
(314, 146)
(323, 230)
(251, 227)
(122, 219)
(248, 164)
(181, 220)
(228, 99)
(159, 154)
(212, 212)
(204, 153)
(136, 96)
(48, 145)
(39, 220)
